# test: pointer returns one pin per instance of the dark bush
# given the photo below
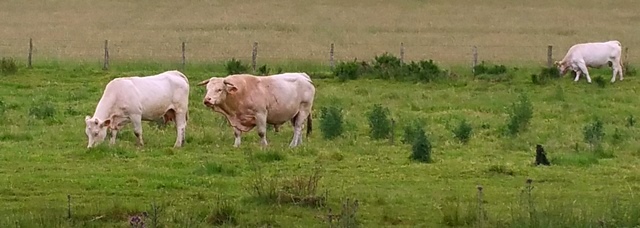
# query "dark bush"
(594, 132)
(421, 147)
(331, 122)
(379, 122)
(235, 66)
(8, 66)
(600, 81)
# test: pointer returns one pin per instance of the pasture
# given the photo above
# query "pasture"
(43, 159)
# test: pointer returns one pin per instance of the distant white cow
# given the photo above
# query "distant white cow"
(595, 55)
(133, 99)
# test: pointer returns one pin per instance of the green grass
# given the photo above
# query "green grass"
(44, 159)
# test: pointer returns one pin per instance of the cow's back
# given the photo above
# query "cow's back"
(594, 53)
(152, 96)
(287, 93)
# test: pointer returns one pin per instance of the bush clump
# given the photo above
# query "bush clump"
(8, 66)
(463, 131)
(594, 132)
(235, 66)
(389, 67)
(331, 122)
(493, 73)
(349, 70)
(421, 147)
(263, 70)
(520, 115)
(379, 122)
(600, 81)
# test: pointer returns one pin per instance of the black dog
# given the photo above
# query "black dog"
(541, 156)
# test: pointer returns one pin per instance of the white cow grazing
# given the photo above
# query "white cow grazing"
(596, 55)
(133, 99)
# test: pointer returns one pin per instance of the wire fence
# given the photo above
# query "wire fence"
(110, 52)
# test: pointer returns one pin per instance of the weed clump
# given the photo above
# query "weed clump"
(520, 115)
(421, 147)
(379, 122)
(42, 110)
(600, 81)
(631, 121)
(297, 190)
(463, 131)
(8, 66)
(235, 66)
(223, 213)
(331, 122)
(594, 132)
(492, 73)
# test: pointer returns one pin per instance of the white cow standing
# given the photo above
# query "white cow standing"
(596, 55)
(134, 99)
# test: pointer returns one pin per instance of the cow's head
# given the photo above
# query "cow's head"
(562, 67)
(96, 130)
(217, 90)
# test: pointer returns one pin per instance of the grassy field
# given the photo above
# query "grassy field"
(43, 158)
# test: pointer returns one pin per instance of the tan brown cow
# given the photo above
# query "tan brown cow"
(249, 101)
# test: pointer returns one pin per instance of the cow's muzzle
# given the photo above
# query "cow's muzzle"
(207, 102)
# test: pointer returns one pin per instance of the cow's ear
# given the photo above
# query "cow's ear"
(106, 123)
(87, 118)
(204, 82)
(231, 89)
(557, 63)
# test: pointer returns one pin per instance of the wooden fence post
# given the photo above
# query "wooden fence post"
(106, 55)
(331, 62)
(401, 52)
(475, 60)
(254, 55)
(184, 61)
(30, 53)
(549, 56)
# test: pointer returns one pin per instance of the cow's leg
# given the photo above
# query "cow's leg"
(136, 120)
(577, 75)
(617, 70)
(584, 70)
(297, 128)
(237, 133)
(261, 124)
(114, 133)
(181, 125)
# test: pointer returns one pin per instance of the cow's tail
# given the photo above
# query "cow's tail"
(309, 124)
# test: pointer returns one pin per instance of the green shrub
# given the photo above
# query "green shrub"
(520, 115)
(347, 70)
(463, 131)
(379, 122)
(331, 122)
(235, 66)
(3, 107)
(629, 70)
(424, 70)
(421, 147)
(8, 66)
